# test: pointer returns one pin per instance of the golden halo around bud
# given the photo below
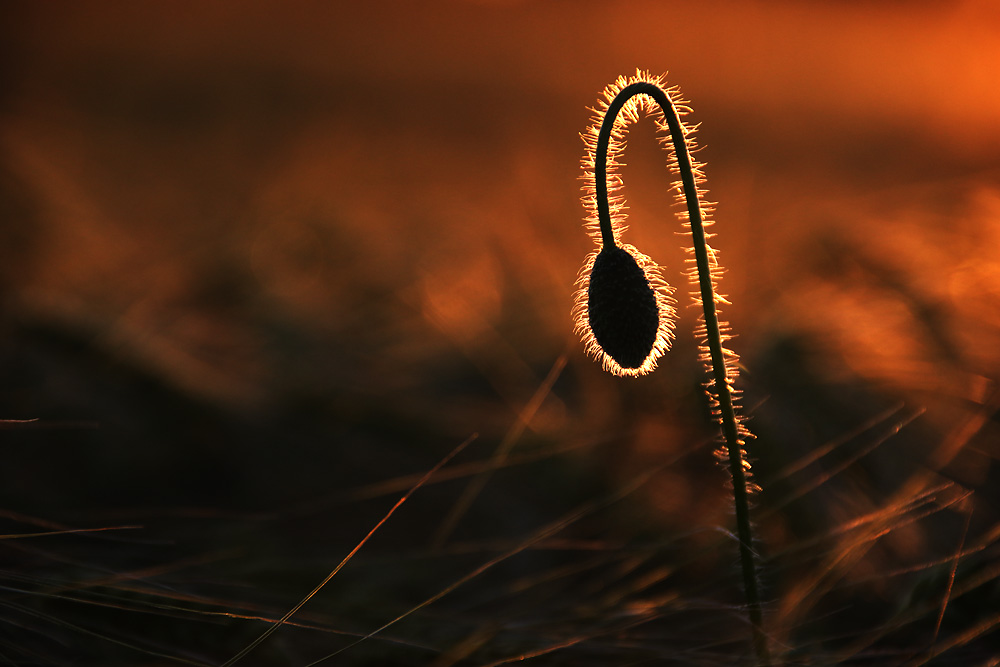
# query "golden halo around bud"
(618, 314)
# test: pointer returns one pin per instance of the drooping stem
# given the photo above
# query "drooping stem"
(720, 380)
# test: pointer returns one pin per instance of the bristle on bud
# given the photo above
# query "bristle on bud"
(621, 308)
(624, 310)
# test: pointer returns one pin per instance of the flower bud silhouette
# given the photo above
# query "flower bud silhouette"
(629, 314)
(623, 308)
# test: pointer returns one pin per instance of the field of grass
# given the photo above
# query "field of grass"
(264, 266)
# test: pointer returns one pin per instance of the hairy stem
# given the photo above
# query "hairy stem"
(721, 386)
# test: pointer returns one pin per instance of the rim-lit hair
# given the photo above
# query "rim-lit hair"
(625, 317)
(629, 323)
(623, 307)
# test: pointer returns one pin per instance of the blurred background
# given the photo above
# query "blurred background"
(263, 264)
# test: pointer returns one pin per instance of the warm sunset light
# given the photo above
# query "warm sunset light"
(291, 311)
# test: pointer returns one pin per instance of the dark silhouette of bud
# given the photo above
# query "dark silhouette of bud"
(621, 308)
(624, 311)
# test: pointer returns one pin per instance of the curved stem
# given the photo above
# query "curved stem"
(601, 162)
(720, 380)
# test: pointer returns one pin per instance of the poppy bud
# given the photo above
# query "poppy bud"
(621, 308)
(624, 310)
